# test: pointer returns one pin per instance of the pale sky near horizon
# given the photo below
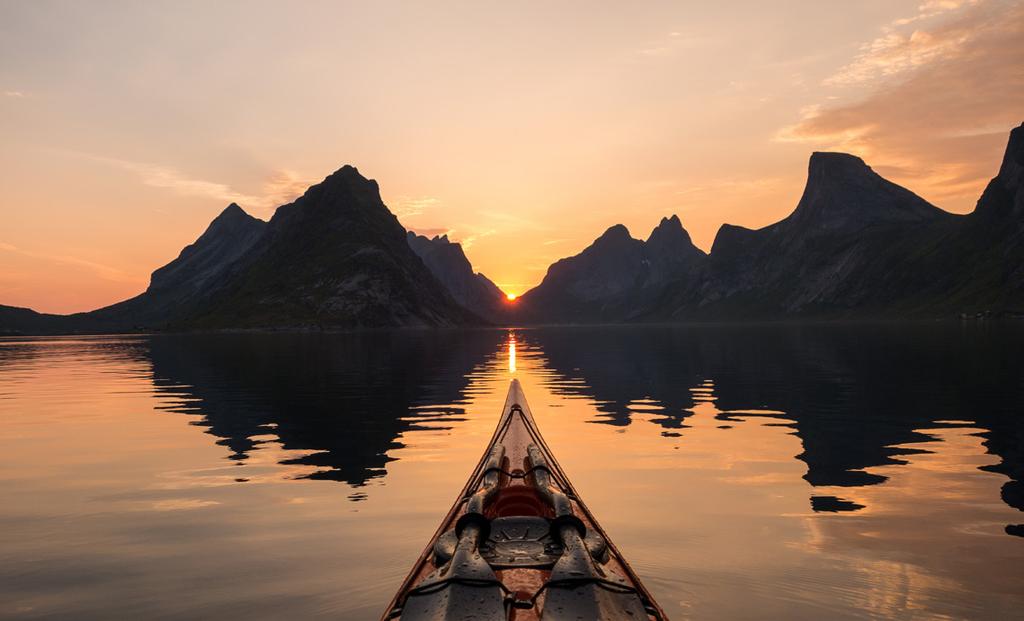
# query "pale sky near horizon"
(523, 130)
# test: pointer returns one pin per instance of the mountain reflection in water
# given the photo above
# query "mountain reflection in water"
(343, 398)
(745, 471)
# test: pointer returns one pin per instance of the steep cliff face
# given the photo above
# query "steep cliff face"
(856, 246)
(845, 229)
(186, 283)
(229, 236)
(844, 195)
(448, 263)
(336, 257)
(860, 246)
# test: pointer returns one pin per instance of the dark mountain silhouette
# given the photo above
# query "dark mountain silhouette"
(186, 283)
(615, 278)
(229, 236)
(448, 263)
(342, 400)
(174, 290)
(336, 258)
(856, 246)
(16, 320)
(853, 242)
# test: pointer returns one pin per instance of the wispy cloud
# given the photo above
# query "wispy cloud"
(900, 49)
(468, 241)
(280, 187)
(932, 8)
(102, 271)
(14, 94)
(941, 126)
(407, 206)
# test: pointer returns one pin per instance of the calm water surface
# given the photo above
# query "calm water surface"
(746, 472)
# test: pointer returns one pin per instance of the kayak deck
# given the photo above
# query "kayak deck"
(520, 545)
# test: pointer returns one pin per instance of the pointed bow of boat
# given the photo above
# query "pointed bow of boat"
(520, 545)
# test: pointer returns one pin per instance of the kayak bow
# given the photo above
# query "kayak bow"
(519, 544)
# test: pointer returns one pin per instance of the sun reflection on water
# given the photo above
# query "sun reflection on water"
(511, 352)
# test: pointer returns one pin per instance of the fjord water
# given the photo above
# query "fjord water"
(798, 472)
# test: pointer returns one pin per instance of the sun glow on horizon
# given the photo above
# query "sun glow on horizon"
(724, 135)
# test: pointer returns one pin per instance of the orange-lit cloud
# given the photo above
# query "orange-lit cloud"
(900, 49)
(280, 187)
(405, 206)
(940, 126)
(525, 148)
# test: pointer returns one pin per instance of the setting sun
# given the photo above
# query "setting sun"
(511, 296)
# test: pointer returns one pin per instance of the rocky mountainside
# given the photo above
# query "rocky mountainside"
(859, 246)
(229, 236)
(614, 279)
(334, 258)
(856, 246)
(448, 263)
(186, 283)
(851, 235)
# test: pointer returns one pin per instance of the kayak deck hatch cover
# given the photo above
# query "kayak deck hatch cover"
(520, 545)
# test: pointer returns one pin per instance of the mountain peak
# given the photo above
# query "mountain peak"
(1012, 169)
(347, 175)
(670, 236)
(228, 236)
(668, 228)
(341, 196)
(615, 233)
(448, 263)
(232, 209)
(670, 244)
(844, 193)
(836, 161)
(232, 217)
(1003, 198)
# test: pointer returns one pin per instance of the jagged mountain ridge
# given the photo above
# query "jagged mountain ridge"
(448, 262)
(856, 246)
(613, 278)
(336, 257)
(228, 237)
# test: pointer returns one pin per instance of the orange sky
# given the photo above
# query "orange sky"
(522, 130)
